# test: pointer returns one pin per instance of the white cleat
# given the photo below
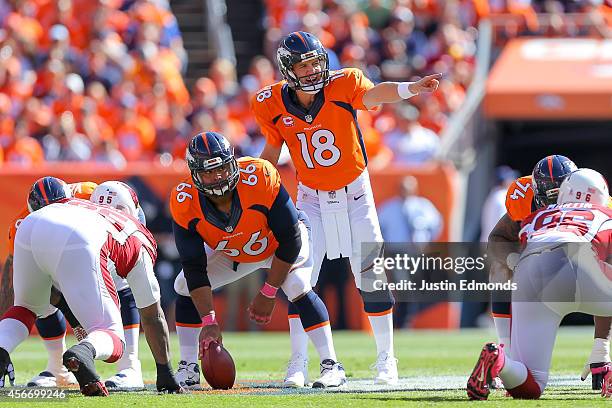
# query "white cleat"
(48, 379)
(188, 375)
(297, 372)
(126, 378)
(386, 367)
(332, 375)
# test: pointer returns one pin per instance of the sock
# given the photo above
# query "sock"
(380, 315)
(108, 345)
(502, 318)
(513, 374)
(15, 327)
(315, 320)
(131, 330)
(299, 338)
(52, 329)
(188, 326)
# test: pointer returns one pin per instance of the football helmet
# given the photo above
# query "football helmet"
(297, 47)
(584, 186)
(212, 151)
(47, 190)
(548, 174)
(118, 195)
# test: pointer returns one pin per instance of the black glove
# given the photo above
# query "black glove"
(6, 367)
(165, 380)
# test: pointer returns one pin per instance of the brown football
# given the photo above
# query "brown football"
(218, 367)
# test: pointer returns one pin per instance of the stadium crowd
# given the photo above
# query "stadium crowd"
(102, 81)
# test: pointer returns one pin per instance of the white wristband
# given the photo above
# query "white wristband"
(403, 90)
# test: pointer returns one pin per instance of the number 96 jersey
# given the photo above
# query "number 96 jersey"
(324, 141)
(244, 235)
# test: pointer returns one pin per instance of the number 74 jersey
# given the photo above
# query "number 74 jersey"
(324, 141)
(244, 235)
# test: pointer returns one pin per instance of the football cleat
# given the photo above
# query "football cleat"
(48, 379)
(332, 375)
(386, 367)
(80, 360)
(297, 372)
(127, 378)
(188, 375)
(489, 364)
(6, 368)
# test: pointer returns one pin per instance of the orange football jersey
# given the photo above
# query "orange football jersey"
(324, 141)
(245, 235)
(519, 198)
(81, 190)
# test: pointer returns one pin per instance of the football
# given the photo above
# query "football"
(218, 367)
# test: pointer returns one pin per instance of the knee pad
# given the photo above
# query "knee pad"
(180, 284)
(129, 311)
(380, 301)
(312, 311)
(186, 313)
(52, 326)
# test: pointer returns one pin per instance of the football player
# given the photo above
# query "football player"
(52, 327)
(565, 266)
(52, 247)
(314, 112)
(525, 195)
(240, 210)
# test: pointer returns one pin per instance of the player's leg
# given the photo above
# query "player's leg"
(129, 372)
(95, 303)
(52, 329)
(378, 305)
(314, 318)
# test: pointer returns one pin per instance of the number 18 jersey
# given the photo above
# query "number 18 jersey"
(324, 141)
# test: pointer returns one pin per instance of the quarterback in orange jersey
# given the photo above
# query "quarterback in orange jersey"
(52, 325)
(241, 212)
(524, 196)
(313, 111)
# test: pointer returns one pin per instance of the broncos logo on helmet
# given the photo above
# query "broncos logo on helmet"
(548, 174)
(45, 191)
(208, 152)
(298, 47)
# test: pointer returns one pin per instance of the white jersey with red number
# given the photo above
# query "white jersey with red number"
(572, 222)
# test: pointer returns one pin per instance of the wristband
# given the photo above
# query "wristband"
(268, 291)
(403, 90)
(209, 319)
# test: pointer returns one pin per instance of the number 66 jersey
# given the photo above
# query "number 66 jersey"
(244, 235)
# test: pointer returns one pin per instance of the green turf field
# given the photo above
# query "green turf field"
(427, 359)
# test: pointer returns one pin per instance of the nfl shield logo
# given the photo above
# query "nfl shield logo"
(332, 195)
(308, 118)
(229, 228)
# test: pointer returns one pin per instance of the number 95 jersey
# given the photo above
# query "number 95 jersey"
(324, 141)
(244, 235)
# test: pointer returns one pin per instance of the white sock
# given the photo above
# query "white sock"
(12, 333)
(513, 374)
(188, 342)
(322, 339)
(55, 349)
(299, 338)
(502, 327)
(130, 354)
(103, 343)
(382, 327)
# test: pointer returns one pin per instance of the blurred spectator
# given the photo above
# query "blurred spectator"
(409, 217)
(495, 205)
(410, 142)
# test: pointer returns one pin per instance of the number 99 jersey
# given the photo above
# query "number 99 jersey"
(244, 235)
(324, 141)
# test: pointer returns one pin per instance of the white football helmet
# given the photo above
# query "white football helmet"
(117, 194)
(584, 186)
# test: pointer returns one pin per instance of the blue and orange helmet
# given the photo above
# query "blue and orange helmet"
(548, 175)
(45, 191)
(209, 151)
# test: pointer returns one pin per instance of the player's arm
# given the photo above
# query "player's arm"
(6, 285)
(283, 221)
(504, 239)
(391, 92)
(271, 153)
(193, 259)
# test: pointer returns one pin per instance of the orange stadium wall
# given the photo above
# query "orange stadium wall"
(436, 182)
